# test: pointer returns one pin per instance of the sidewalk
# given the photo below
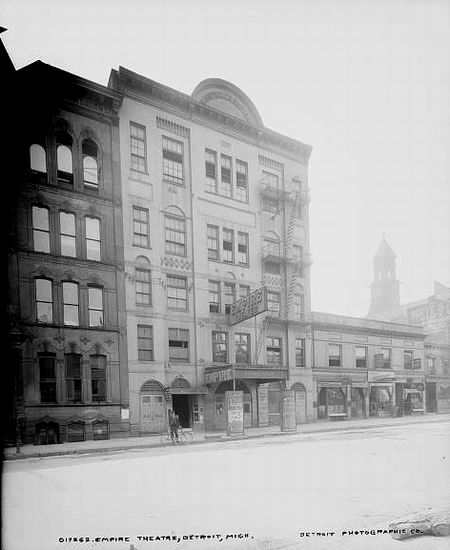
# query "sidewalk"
(147, 442)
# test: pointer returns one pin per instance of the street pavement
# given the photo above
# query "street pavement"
(275, 489)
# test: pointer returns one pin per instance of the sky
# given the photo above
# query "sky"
(366, 83)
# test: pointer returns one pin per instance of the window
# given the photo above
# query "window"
(98, 378)
(361, 357)
(274, 304)
(95, 296)
(386, 353)
(90, 165)
(67, 234)
(334, 355)
(212, 232)
(230, 295)
(220, 347)
(177, 292)
(93, 250)
(138, 147)
(38, 161)
(145, 342)
(143, 286)
(299, 309)
(41, 229)
(269, 179)
(214, 297)
(270, 205)
(172, 160)
(242, 347)
(64, 162)
(178, 344)
(299, 352)
(175, 229)
(445, 362)
(70, 304)
(242, 248)
(407, 359)
(211, 170)
(47, 378)
(140, 227)
(44, 301)
(241, 181)
(271, 247)
(227, 246)
(272, 268)
(73, 378)
(244, 291)
(273, 350)
(225, 176)
(431, 364)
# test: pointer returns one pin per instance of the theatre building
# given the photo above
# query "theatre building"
(363, 367)
(65, 243)
(216, 232)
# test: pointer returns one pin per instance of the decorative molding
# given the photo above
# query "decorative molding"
(173, 127)
(176, 262)
(270, 163)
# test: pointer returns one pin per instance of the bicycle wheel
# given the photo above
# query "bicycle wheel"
(166, 439)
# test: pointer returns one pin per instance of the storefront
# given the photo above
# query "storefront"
(381, 400)
(331, 402)
(187, 402)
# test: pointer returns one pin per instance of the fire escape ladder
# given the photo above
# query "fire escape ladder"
(291, 291)
(291, 226)
(261, 338)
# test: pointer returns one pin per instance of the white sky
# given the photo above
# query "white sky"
(366, 83)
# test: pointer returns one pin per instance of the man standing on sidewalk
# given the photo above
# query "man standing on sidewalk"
(174, 424)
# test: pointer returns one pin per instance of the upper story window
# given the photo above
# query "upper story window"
(241, 181)
(90, 164)
(175, 233)
(93, 248)
(334, 355)
(44, 300)
(212, 234)
(145, 342)
(70, 304)
(178, 344)
(38, 161)
(74, 378)
(143, 286)
(211, 170)
(95, 306)
(47, 378)
(299, 306)
(270, 179)
(141, 233)
(242, 248)
(408, 359)
(214, 296)
(177, 292)
(230, 295)
(272, 247)
(445, 365)
(67, 234)
(64, 158)
(41, 229)
(272, 267)
(242, 347)
(431, 364)
(172, 160)
(225, 176)
(219, 347)
(227, 246)
(361, 357)
(244, 291)
(98, 377)
(138, 147)
(270, 205)
(386, 353)
(273, 350)
(274, 303)
(300, 352)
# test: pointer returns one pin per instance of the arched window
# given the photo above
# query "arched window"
(38, 162)
(75, 431)
(90, 164)
(64, 158)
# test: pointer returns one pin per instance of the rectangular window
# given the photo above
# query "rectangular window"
(270, 205)
(145, 342)
(138, 147)
(407, 359)
(244, 291)
(74, 378)
(230, 295)
(211, 170)
(141, 234)
(175, 232)
(67, 234)
(143, 286)
(299, 306)
(98, 378)
(95, 296)
(172, 161)
(47, 378)
(431, 365)
(44, 301)
(93, 250)
(214, 297)
(274, 304)
(361, 357)
(212, 232)
(220, 347)
(177, 292)
(300, 352)
(334, 355)
(228, 246)
(242, 347)
(271, 248)
(70, 304)
(225, 176)
(270, 180)
(241, 181)
(386, 353)
(178, 344)
(41, 229)
(273, 350)
(242, 248)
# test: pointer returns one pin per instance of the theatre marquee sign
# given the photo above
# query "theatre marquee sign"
(248, 307)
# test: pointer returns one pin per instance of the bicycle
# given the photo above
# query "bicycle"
(167, 438)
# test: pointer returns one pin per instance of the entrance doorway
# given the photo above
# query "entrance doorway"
(331, 403)
(358, 408)
(300, 402)
(181, 404)
(152, 407)
(431, 397)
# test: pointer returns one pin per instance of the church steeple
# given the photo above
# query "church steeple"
(385, 292)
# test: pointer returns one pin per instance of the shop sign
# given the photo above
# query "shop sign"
(263, 406)
(248, 307)
(288, 423)
(220, 375)
(235, 412)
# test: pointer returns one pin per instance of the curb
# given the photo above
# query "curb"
(214, 439)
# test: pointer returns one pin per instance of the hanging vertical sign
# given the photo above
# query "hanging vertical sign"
(288, 423)
(235, 412)
(263, 406)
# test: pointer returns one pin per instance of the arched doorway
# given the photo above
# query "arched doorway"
(274, 395)
(220, 413)
(47, 432)
(300, 402)
(331, 403)
(152, 407)
(181, 402)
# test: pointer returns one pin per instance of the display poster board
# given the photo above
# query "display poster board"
(235, 412)
(263, 406)
(288, 423)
